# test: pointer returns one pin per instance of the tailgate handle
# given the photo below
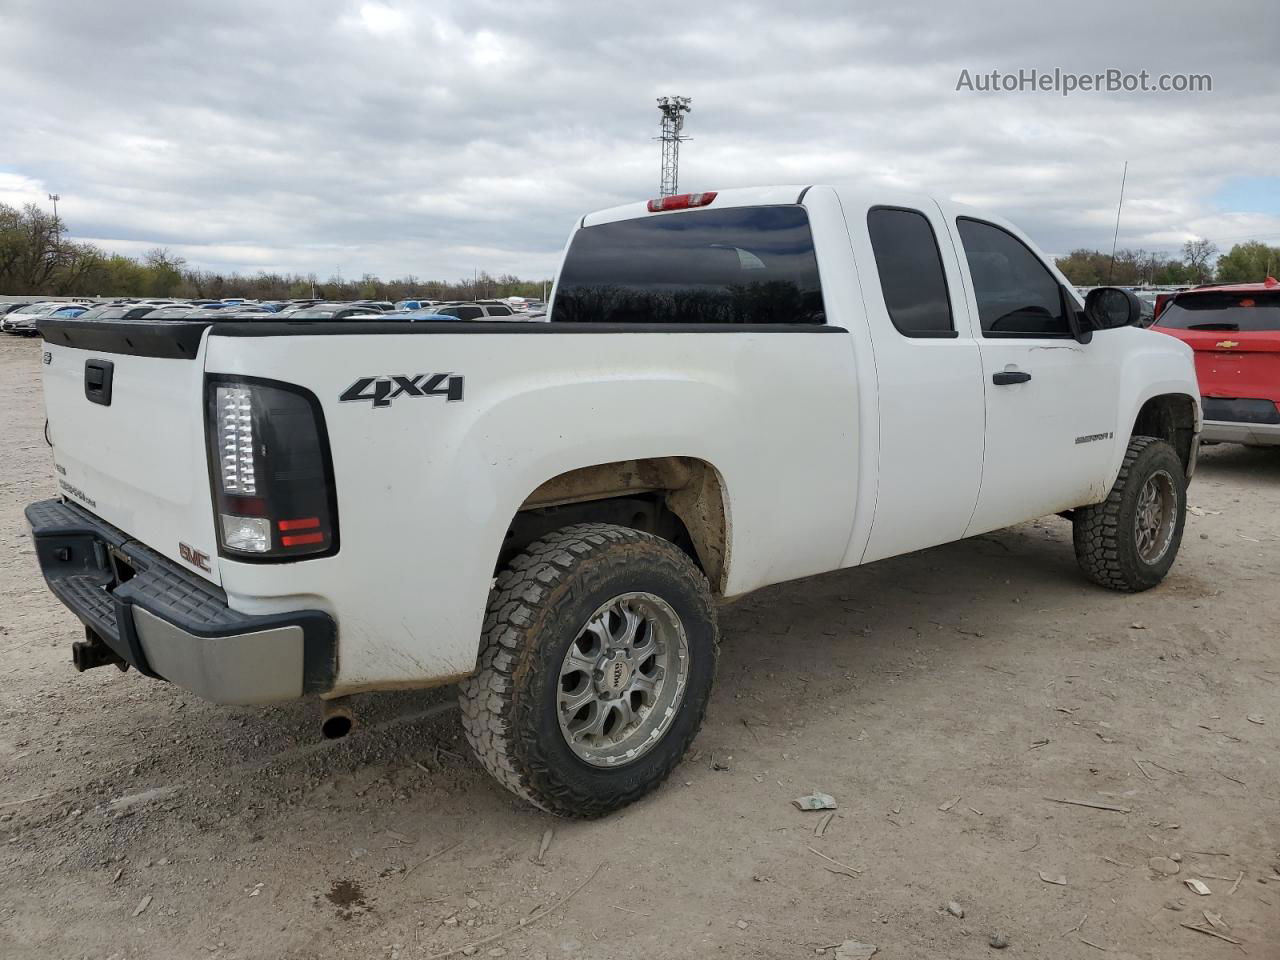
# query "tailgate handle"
(97, 381)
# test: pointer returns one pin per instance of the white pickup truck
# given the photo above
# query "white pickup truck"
(734, 389)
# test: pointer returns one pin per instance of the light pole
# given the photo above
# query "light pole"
(673, 111)
(57, 229)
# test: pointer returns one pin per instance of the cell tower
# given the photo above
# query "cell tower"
(673, 111)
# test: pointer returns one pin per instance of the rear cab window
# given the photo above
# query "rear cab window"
(734, 266)
(911, 274)
(1220, 310)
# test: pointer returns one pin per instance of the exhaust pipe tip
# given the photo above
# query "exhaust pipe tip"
(337, 720)
(335, 728)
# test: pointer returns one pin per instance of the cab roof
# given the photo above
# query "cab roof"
(734, 197)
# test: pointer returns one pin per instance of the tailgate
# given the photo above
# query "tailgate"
(125, 403)
(1237, 364)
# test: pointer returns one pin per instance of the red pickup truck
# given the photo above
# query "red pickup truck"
(1235, 332)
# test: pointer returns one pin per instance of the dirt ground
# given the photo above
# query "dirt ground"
(941, 698)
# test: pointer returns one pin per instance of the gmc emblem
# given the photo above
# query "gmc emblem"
(197, 558)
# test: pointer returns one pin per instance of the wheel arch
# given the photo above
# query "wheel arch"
(1173, 417)
(682, 499)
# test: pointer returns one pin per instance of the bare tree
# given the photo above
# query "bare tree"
(1197, 254)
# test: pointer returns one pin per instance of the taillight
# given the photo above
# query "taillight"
(1162, 301)
(681, 201)
(271, 470)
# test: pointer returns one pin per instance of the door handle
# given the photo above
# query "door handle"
(1006, 377)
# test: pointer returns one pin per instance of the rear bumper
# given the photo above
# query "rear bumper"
(1257, 434)
(170, 624)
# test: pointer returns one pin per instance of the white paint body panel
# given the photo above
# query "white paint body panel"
(427, 489)
(140, 463)
(928, 401)
(833, 448)
(1033, 465)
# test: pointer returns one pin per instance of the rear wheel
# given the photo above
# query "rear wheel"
(1130, 540)
(595, 669)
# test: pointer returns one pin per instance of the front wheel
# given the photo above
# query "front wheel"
(1130, 540)
(595, 668)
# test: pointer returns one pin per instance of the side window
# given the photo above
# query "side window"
(469, 313)
(1017, 295)
(499, 311)
(911, 274)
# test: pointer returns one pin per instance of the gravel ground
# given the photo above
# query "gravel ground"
(942, 698)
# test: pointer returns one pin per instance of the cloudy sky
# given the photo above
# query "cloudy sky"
(397, 137)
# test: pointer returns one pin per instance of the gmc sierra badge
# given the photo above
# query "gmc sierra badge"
(1091, 437)
(382, 390)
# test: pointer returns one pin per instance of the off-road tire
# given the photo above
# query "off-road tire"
(1105, 544)
(537, 607)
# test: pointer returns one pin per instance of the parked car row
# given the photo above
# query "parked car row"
(21, 318)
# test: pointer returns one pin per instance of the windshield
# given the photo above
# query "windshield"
(41, 309)
(1223, 311)
(737, 265)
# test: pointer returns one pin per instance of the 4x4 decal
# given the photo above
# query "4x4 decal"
(382, 390)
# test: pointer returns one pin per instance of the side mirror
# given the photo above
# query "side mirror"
(1081, 330)
(1110, 307)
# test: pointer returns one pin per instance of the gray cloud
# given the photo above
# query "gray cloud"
(398, 138)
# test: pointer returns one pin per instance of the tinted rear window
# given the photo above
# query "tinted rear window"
(735, 266)
(1223, 311)
(911, 274)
